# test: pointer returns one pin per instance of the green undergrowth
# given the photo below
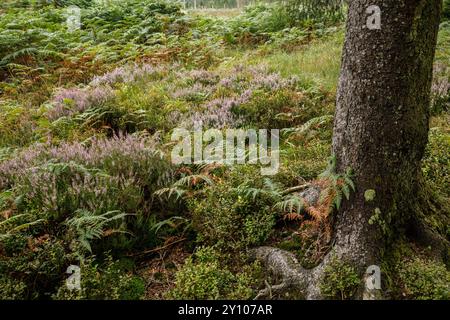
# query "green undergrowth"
(86, 120)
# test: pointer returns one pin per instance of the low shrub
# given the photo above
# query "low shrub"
(340, 280)
(104, 281)
(17, 125)
(203, 277)
(440, 90)
(306, 12)
(31, 267)
(424, 279)
(228, 221)
(74, 200)
(11, 289)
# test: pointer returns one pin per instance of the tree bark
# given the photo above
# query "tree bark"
(380, 132)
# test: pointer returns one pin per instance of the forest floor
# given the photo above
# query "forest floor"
(85, 139)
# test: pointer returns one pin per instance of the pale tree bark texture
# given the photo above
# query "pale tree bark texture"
(380, 132)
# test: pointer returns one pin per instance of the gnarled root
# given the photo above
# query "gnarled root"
(295, 279)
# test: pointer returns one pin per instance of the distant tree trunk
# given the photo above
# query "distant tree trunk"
(380, 132)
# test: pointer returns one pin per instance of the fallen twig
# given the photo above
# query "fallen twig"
(157, 249)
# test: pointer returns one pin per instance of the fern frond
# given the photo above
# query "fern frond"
(90, 226)
(271, 186)
(193, 180)
(349, 182)
(346, 191)
(270, 190)
(179, 193)
(17, 54)
(168, 222)
(306, 127)
(337, 199)
(293, 216)
(291, 203)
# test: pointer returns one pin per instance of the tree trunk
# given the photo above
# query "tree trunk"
(381, 122)
(380, 132)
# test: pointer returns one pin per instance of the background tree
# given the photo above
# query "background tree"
(380, 132)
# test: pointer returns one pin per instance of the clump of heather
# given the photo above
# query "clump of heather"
(273, 81)
(196, 92)
(114, 177)
(127, 74)
(59, 189)
(441, 81)
(201, 76)
(126, 156)
(13, 167)
(218, 113)
(75, 100)
(100, 90)
(257, 77)
(204, 98)
(236, 94)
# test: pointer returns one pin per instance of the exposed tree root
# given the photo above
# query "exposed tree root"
(419, 230)
(350, 243)
(425, 236)
(295, 280)
(283, 266)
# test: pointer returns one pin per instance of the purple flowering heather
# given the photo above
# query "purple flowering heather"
(218, 113)
(270, 82)
(124, 155)
(126, 74)
(18, 163)
(201, 85)
(261, 78)
(227, 82)
(202, 76)
(256, 77)
(441, 81)
(55, 193)
(174, 118)
(191, 93)
(72, 101)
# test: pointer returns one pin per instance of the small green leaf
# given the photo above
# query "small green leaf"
(369, 195)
